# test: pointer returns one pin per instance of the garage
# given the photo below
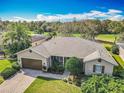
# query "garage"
(31, 63)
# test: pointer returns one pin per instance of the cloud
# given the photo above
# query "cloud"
(117, 17)
(114, 11)
(16, 18)
(111, 14)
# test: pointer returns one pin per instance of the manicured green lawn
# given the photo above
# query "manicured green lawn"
(4, 64)
(47, 85)
(74, 35)
(118, 59)
(107, 45)
(106, 37)
(77, 35)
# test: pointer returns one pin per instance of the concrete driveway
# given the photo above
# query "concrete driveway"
(22, 80)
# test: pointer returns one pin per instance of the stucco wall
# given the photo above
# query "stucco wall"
(121, 52)
(32, 55)
(37, 42)
(89, 67)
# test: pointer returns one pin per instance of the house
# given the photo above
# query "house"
(94, 56)
(121, 50)
(37, 39)
(2, 55)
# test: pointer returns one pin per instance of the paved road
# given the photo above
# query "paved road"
(23, 79)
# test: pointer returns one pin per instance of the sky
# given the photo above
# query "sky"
(63, 10)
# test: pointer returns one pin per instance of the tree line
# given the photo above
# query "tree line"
(16, 35)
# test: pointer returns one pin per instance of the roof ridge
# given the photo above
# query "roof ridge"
(99, 53)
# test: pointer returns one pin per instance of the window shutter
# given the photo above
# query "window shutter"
(103, 68)
(94, 67)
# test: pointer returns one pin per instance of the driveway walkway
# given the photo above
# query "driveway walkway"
(22, 80)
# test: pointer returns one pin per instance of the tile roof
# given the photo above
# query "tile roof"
(73, 47)
(37, 37)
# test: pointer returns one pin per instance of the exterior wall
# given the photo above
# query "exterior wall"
(89, 67)
(121, 52)
(2, 56)
(37, 42)
(32, 55)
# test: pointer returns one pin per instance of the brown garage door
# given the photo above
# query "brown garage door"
(31, 63)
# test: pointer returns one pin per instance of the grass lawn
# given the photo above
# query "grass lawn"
(106, 37)
(107, 45)
(4, 64)
(77, 35)
(47, 85)
(118, 59)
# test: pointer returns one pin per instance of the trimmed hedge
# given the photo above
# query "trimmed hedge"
(15, 66)
(8, 72)
(115, 49)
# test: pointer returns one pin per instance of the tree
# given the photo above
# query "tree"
(66, 29)
(90, 28)
(74, 66)
(16, 38)
(115, 27)
(121, 37)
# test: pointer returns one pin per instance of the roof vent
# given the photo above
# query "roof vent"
(30, 50)
(99, 60)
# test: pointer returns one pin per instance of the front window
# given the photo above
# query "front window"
(58, 58)
(98, 69)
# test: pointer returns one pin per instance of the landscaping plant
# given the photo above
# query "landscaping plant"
(74, 66)
(102, 84)
(8, 72)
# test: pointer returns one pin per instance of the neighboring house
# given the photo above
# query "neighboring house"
(37, 39)
(2, 55)
(94, 56)
(121, 50)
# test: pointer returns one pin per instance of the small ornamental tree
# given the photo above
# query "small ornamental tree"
(115, 49)
(74, 66)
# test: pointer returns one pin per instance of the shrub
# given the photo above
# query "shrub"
(115, 49)
(77, 82)
(1, 79)
(60, 68)
(118, 72)
(8, 72)
(74, 66)
(56, 67)
(65, 80)
(16, 66)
